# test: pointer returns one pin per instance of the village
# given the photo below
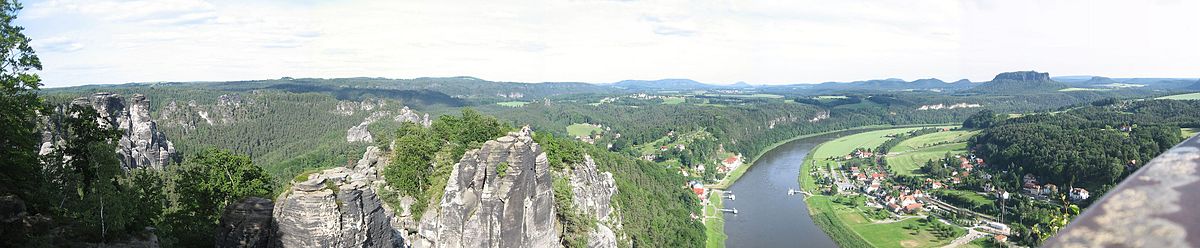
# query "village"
(953, 190)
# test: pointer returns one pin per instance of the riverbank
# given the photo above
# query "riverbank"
(714, 221)
(736, 174)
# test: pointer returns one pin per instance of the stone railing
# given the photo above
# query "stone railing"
(1157, 206)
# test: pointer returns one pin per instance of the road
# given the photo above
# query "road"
(971, 235)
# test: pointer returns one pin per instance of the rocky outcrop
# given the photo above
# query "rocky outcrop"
(359, 133)
(246, 223)
(228, 109)
(592, 192)
(336, 208)
(499, 195)
(408, 115)
(141, 143)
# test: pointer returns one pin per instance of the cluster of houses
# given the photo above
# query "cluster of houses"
(907, 202)
(1031, 188)
(870, 182)
(730, 163)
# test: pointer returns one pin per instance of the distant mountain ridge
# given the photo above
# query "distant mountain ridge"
(896, 84)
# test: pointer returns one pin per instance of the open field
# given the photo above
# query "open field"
(848, 226)
(829, 97)
(714, 221)
(582, 129)
(514, 104)
(908, 156)
(896, 235)
(845, 145)
(673, 100)
(684, 138)
(748, 96)
(1083, 89)
(1189, 132)
(1188, 96)
(970, 198)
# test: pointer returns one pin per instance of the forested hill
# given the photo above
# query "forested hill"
(465, 88)
(665, 84)
(1093, 146)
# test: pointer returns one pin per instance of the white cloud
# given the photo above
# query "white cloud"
(57, 44)
(605, 41)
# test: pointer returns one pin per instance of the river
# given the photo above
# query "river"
(767, 215)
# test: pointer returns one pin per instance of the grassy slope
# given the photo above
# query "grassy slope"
(1083, 89)
(910, 154)
(1188, 96)
(673, 100)
(845, 225)
(580, 129)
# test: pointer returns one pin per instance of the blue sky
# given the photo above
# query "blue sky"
(771, 42)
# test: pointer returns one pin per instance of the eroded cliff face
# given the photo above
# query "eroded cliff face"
(592, 192)
(336, 208)
(499, 195)
(141, 143)
(246, 223)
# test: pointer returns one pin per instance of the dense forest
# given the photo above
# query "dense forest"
(1076, 147)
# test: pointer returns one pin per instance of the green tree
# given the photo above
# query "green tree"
(410, 168)
(204, 185)
(982, 119)
(19, 103)
(470, 128)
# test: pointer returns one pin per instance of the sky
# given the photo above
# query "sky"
(719, 42)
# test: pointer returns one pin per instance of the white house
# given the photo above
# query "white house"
(1079, 194)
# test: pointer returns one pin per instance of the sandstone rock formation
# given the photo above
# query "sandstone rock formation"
(409, 115)
(246, 223)
(141, 143)
(359, 133)
(336, 208)
(592, 192)
(481, 208)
